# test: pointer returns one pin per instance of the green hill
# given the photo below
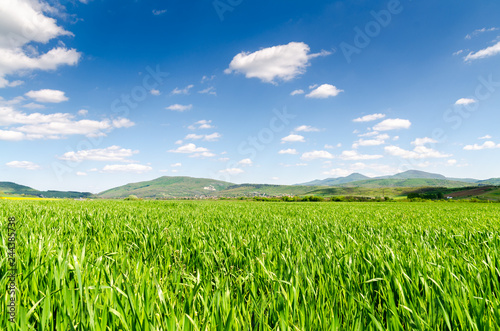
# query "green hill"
(168, 187)
(410, 182)
(412, 174)
(491, 181)
(13, 189)
(336, 181)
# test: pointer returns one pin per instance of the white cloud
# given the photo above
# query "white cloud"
(208, 90)
(290, 151)
(232, 171)
(324, 91)
(377, 141)
(369, 118)
(419, 152)
(175, 171)
(479, 31)
(245, 162)
(209, 137)
(212, 137)
(23, 165)
(202, 155)
(179, 108)
(23, 22)
(207, 78)
(292, 138)
(33, 105)
(189, 148)
(283, 62)
(11, 135)
(182, 91)
(451, 162)
(465, 101)
(178, 142)
(176, 165)
(113, 153)
(423, 141)
(46, 95)
(296, 92)
(83, 112)
(485, 137)
(137, 168)
(392, 124)
(122, 123)
(53, 126)
(368, 134)
(337, 172)
(203, 124)
(486, 145)
(193, 136)
(316, 155)
(154, 92)
(158, 12)
(458, 52)
(306, 128)
(484, 53)
(354, 155)
(81, 173)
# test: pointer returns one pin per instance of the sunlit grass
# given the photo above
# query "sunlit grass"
(113, 265)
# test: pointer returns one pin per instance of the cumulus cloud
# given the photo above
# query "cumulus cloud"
(486, 145)
(136, 168)
(376, 141)
(46, 95)
(182, 91)
(465, 101)
(369, 118)
(283, 62)
(180, 108)
(154, 92)
(23, 22)
(113, 153)
(290, 151)
(485, 137)
(479, 31)
(176, 165)
(245, 162)
(354, 155)
(209, 137)
(189, 148)
(203, 124)
(324, 91)
(293, 138)
(158, 12)
(419, 152)
(297, 92)
(484, 53)
(308, 156)
(23, 165)
(392, 124)
(208, 90)
(306, 128)
(52, 126)
(423, 141)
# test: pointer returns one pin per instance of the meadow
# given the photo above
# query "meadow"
(228, 265)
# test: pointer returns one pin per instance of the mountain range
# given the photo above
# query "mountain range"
(188, 187)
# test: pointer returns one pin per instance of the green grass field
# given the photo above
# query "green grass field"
(227, 265)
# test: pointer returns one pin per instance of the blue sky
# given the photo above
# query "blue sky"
(96, 94)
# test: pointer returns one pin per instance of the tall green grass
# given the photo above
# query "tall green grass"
(225, 265)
